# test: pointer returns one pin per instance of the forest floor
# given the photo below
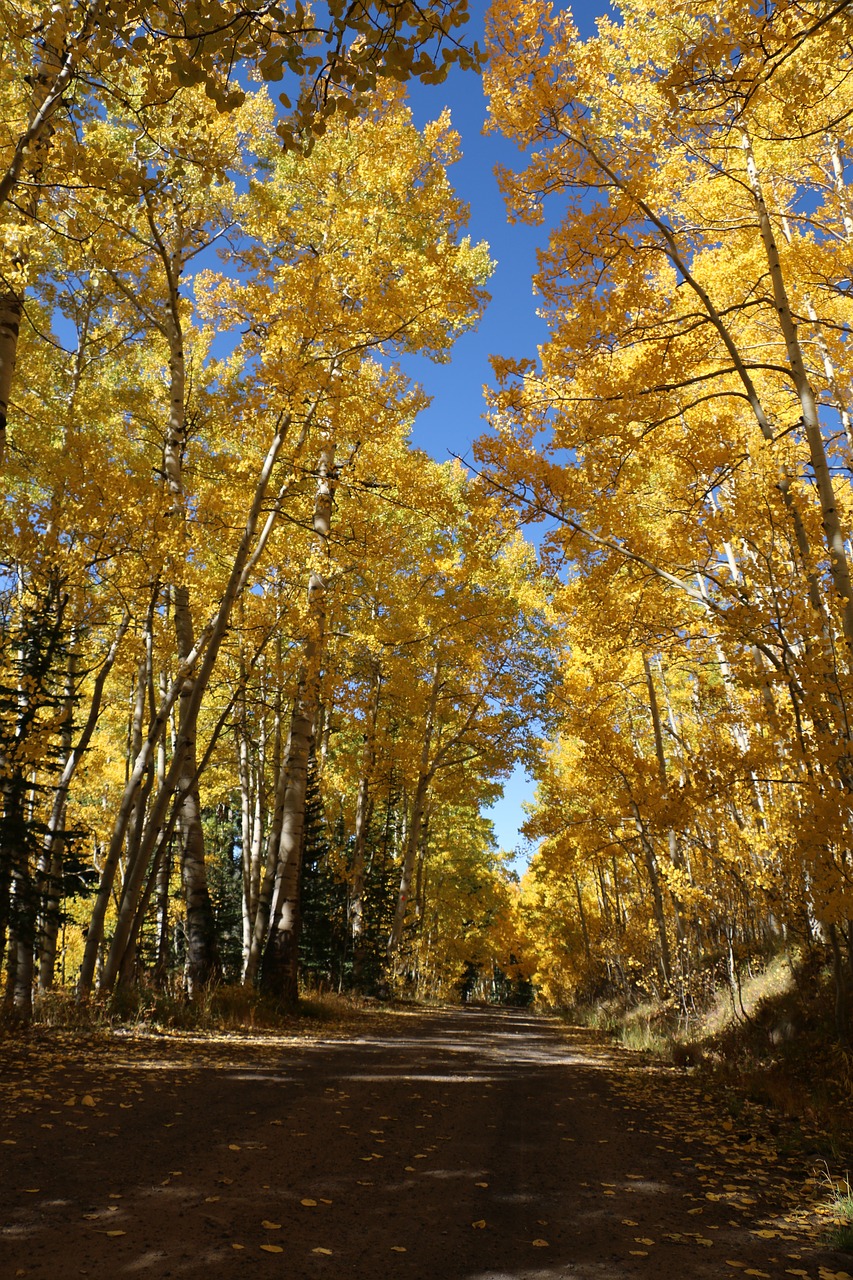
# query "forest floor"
(425, 1145)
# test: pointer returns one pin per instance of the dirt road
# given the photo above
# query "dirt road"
(455, 1145)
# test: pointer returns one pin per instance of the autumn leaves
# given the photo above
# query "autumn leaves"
(684, 434)
(228, 579)
(224, 568)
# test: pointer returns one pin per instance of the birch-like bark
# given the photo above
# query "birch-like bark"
(202, 960)
(426, 772)
(244, 774)
(582, 918)
(280, 968)
(362, 819)
(831, 520)
(164, 872)
(841, 187)
(263, 908)
(650, 863)
(258, 814)
(54, 842)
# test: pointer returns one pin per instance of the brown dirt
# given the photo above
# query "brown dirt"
(447, 1145)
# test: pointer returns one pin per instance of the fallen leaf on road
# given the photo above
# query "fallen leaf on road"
(398, 1248)
(328, 1252)
(271, 1226)
(479, 1224)
(540, 1244)
(272, 1248)
(309, 1204)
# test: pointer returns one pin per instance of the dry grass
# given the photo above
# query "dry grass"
(222, 1008)
(771, 1040)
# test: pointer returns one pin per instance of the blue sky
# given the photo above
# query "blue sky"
(510, 325)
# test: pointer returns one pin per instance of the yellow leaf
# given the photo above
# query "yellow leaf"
(237, 1246)
(271, 1226)
(309, 1204)
(87, 1100)
(629, 1222)
(233, 1146)
(479, 1224)
(328, 1252)
(540, 1244)
(114, 1233)
(272, 1248)
(398, 1248)
(481, 1184)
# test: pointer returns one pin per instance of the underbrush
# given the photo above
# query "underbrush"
(840, 1201)
(220, 1008)
(770, 1038)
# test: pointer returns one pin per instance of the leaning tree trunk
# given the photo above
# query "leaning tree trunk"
(204, 653)
(834, 532)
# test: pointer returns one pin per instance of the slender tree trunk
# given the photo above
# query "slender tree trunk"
(205, 652)
(831, 520)
(202, 961)
(672, 838)
(425, 776)
(244, 773)
(280, 970)
(841, 187)
(362, 819)
(582, 918)
(49, 871)
(650, 862)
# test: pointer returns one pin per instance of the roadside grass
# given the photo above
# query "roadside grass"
(839, 1198)
(766, 1034)
(222, 1008)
